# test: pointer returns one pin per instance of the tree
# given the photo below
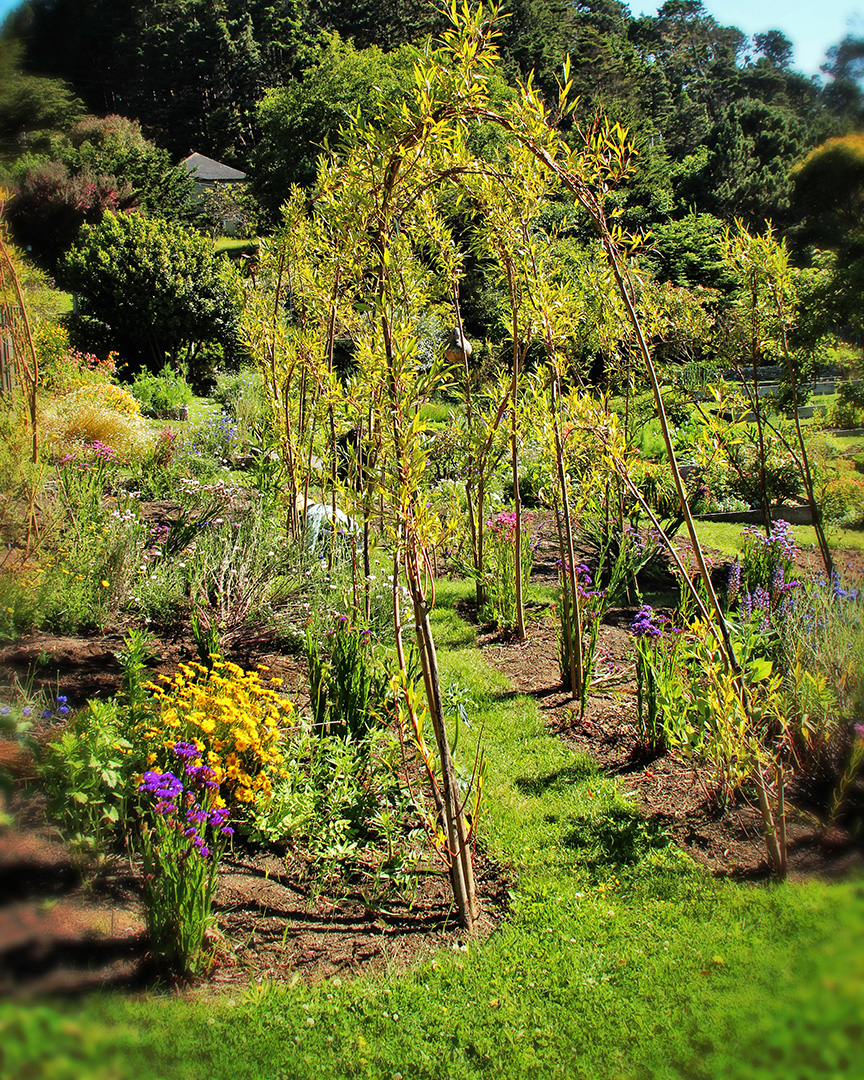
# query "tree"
(32, 109)
(116, 146)
(98, 164)
(299, 120)
(828, 197)
(156, 286)
(845, 66)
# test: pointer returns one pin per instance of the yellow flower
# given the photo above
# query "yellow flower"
(104, 583)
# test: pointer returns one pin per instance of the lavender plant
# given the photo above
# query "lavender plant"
(182, 836)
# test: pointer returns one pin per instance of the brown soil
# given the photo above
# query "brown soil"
(64, 933)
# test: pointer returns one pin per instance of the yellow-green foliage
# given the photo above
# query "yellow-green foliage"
(97, 412)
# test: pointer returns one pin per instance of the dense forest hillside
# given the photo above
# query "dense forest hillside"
(723, 125)
(721, 118)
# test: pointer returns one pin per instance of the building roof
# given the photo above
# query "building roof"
(204, 168)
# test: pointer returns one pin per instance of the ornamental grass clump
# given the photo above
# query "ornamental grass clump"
(101, 412)
(237, 723)
(348, 686)
(183, 833)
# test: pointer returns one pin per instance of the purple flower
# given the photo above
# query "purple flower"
(185, 750)
(733, 587)
(643, 625)
(61, 699)
(164, 786)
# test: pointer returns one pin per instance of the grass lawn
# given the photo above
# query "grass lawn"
(619, 958)
(728, 537)
(235, 246)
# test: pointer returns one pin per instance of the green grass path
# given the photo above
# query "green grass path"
(619, 959)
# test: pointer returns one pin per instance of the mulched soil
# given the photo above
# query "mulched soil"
(676, 796)
(62, 932)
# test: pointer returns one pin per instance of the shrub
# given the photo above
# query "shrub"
(847, 409)
(843, 501)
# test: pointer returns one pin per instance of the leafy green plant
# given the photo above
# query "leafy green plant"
(341, 807)
(87, 774)
(164, 392)
(647, 635)
(584, 618)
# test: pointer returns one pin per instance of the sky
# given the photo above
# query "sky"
(811, 25)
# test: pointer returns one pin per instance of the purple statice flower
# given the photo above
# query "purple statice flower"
(163, 786)
(733, 585)
(200, 774)
(781, 537)
(185, 750)
(644, 625)
(200, 847)
(217, 818)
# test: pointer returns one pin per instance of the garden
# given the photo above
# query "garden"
(381, 703)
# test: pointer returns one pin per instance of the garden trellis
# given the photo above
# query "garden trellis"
(371, 251)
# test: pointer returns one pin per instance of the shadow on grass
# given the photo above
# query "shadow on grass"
(558, 780)
(620, 837)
